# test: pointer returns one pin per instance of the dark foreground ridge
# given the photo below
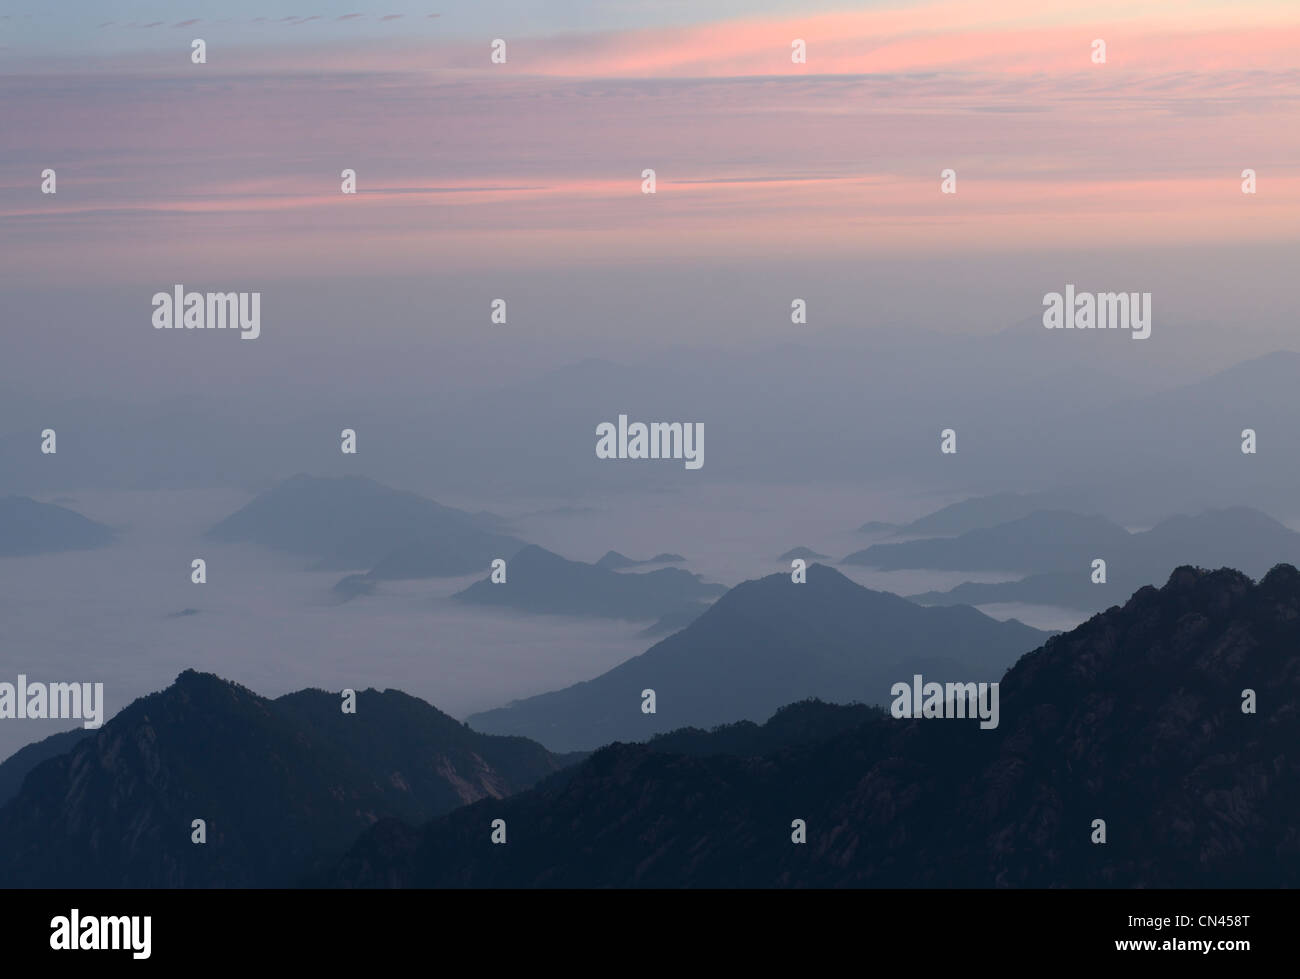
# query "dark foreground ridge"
(1135, 718)
(280, 783)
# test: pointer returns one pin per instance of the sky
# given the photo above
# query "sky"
(523, 180)
(233, 167)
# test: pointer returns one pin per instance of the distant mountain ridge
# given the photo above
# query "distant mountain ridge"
(28, 527)
(1237, 537)
(982, 511)
(541, 582)
(897, 388)
(801, 553)
(615, 561)
(1045, 540)
(349, 522)
(763, 644)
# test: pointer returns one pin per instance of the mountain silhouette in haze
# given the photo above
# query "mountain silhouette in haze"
(674, 621)
(762, 645)
(541, 582)
(979, 512)
(877, 527)
(354, 586)
(280, 783)
(885, 403)
(1046, 540)
(28, 527)
(1135, 718)
(801, 553)
(348, 522)
(444, 555)
(1238, 537)
(615, 561)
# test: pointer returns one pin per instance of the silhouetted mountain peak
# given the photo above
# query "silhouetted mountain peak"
(195, 690)
(277, 782)
(1282, 579)
(1200, 626)
(1201, 582)
(191, 679)
(774, 592)
(803, 553)
(762, 644)
(354, 522)
(535, 557)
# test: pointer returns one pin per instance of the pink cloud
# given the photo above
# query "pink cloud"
(752, 152)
